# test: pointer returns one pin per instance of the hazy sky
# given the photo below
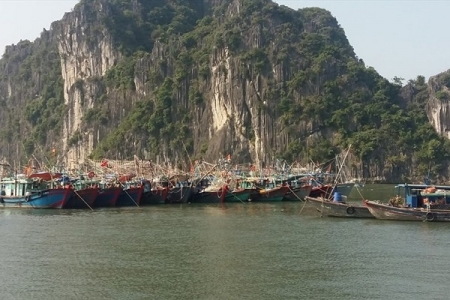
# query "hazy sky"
(397, 38)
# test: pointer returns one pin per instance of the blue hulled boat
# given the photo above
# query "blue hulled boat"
(29, 193)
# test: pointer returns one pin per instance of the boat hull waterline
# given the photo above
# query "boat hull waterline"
(339, 209)
(53, 198)
(388, 212)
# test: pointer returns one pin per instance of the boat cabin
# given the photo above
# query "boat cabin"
(247, 184)
(296, 183)
(11, 187)
(266, 183)
(421, 195)
(84, 184)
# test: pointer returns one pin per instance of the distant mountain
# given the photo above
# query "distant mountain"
(169, 79)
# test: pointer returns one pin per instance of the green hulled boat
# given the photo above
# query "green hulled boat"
(240, 195)
(270, 195)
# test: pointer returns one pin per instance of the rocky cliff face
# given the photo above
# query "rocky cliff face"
(239, 114)
(438, 106)
(86, 52)
(31, 97)
(179, 80)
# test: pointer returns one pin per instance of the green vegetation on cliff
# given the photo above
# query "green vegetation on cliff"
(33, 109)
(328, 86)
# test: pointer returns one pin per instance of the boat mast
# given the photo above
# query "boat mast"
(15, 180)
(341, 166)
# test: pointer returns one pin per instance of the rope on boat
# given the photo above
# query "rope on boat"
(321, 207)
(304, 204)
(303, 200)
(235, 196)
(289, 187)
(221, 193)
(359, 192)
(83, 200)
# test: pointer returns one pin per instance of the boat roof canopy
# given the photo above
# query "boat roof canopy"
(422, 186)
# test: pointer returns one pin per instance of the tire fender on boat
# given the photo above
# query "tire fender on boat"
(429, 216)
(350, 210)
(1, 200)
(27, 198)
(39, 194)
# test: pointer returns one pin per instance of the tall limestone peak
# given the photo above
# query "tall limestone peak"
(178, 79)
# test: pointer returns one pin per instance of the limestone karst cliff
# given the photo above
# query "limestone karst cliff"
(178, 79)
(438, 105)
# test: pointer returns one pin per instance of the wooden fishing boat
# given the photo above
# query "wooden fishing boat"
(298, 193)
(84, 194)
(131, 195)
(210, 195)
(82, 198)
(107, 196)
(273, 194)
(156, 195)
(339, 209)
(154, 192)
(420, 203)
(343, 188)
(323, 190)
(179, 194)
(29, 193)
(238, 195)
(388, 212)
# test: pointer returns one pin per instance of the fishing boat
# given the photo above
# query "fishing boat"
(82, 198)
(210, 194)
(84, 194)
(321, 190)
(238, 195)
(338, 208)
(181, 189)
(179, 194)
(30, 193)
(418, 203)
(156, 195)
(108, 195)
(297, 191)
(132, 190)
(274, 194)
(131, 194)
(343, 188)
(268, 191)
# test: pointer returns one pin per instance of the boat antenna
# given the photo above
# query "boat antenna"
(341, 166)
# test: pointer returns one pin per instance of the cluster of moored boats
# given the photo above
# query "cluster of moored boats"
(56, 190)
(414, 202)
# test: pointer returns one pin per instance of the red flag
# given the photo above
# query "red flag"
(104, 163)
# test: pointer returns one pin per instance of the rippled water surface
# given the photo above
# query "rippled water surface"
(238, 251)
